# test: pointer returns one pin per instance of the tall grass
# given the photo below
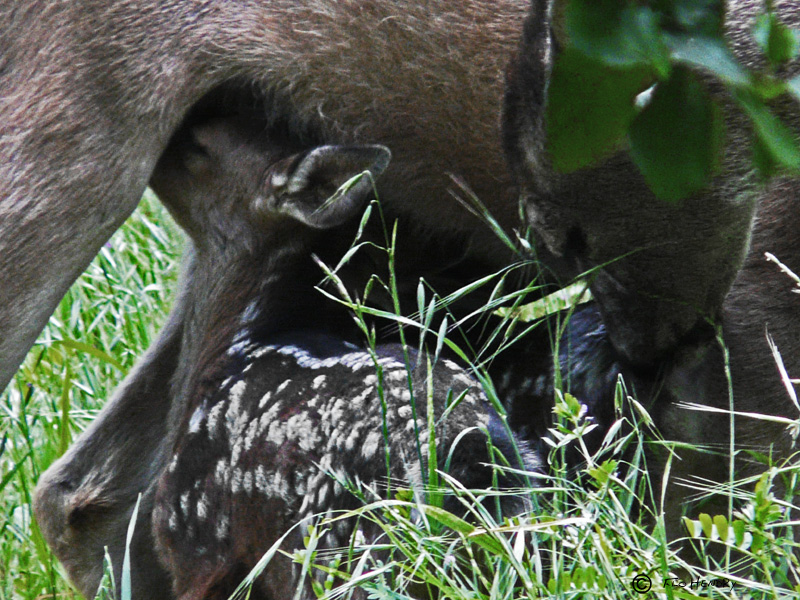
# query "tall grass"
(592, 533)
(102, 325)
(586, 538)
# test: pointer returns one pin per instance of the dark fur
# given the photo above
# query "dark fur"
(270, 469)
(692, 263)
(249, 291)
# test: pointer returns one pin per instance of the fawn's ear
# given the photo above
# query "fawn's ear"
(322, 188)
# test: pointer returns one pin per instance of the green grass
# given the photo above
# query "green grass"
(583, 541)
(100, 328)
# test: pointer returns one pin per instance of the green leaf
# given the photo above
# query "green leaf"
(573, 404)
(761, 30)
(757, 543)
(706, 524)
(767, 87)
(602, 474)
(690, 526)
(677, 139)
(64, 432)
(125, 588)
(17, 466)
(589, 109)
(364, 220)
(552, 585)
(763, 160)
(448, 519)
(440, 338)
(89, 349)
(721, 524)
(615, 34)
(710, 54)
(777, 138)
(780, 43)
(738, 532)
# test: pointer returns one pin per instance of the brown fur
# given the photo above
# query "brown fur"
(691, 262)
(668, 267)
(93, 92)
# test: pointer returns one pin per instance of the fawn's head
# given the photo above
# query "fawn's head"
(227, 181)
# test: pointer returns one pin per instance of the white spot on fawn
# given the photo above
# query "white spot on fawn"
(238, 347)
(280, 487)
(279, 180)
(197, 419)
(352, 439)
(221, 473)
(261, 351)
(403, 395)
(276, 434)
(250, 313)
(301, 428)
(173, 521)
(397, 375)
(451, 365)
(202, 507)
(212, 423)
(222, 527)
(185, 504)
(261, 479)
(235, 419)
(263, 422)
(357, 401)
(250, 434)
(241, 335)
(370, 448)
(236, 481)
(322, 495)
(264, 399)
(354, 360)
(236, 451)
(338, 489)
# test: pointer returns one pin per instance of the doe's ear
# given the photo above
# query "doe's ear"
(322, 189)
